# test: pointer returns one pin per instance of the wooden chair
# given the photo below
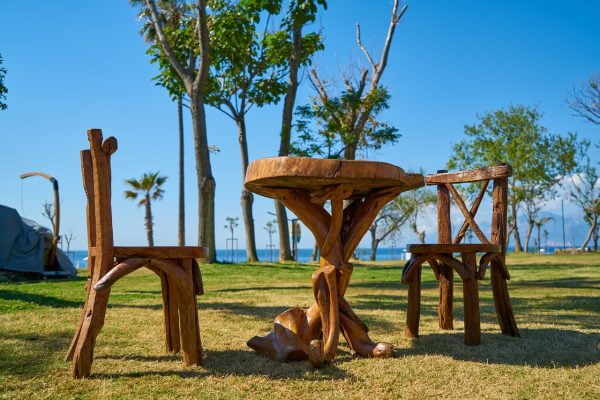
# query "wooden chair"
(440, 256)
(177, 268)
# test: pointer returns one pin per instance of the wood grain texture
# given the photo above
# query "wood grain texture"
(471, 301)
(445, 273)
(441, 253)
(475, 175)
(157, 252)
(454, 248)
(177, 268)
(316, 175)
(304, 185)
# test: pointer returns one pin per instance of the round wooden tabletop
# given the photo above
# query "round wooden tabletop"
(316, 174)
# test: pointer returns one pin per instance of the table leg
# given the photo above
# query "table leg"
(313, 334)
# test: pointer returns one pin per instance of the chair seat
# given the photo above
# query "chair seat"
(177, 252)
(453, 248)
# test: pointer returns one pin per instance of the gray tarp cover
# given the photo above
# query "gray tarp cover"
(22, 245)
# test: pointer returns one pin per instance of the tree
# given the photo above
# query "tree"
(149, 189)
(271, 229)
(3, 89)
(347, 122)
(538, 225)
(49, 213)
(247, 71)
(389, 220)
(232, 223)
(69, 236)
(193, 72)
(585, 192)
(539, 159)
(584, 99)
(412, 203)
(300, 49)
(172, 14)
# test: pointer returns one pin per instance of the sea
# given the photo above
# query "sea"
(79, 257)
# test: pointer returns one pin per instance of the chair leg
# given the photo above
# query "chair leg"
(504, 311)
(188, 319)
(445, 312)
(471, 301)
(93, 321)
(170, 314)
(413, 311)
(88, 287)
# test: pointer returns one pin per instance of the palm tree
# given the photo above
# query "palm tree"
(538, 224)
(148, 188)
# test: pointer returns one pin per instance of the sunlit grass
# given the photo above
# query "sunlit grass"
(556, 301)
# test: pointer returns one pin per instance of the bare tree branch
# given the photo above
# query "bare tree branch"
(364, 50)
(585, 100)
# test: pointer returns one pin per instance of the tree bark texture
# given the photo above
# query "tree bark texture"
(515, 229)
(181, 211)
(528, 234)
(289, 101)
(148, 219)
(206, 182)
(247, 198)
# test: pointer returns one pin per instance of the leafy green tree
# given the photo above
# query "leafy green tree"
(347, 121)
(584, 99)
(148, 189)
(187, 49)
(297, 50)
(173, 14)
(247, 71)
(539, 159)
(3, 89)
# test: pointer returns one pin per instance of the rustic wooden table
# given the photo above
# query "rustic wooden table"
(356, 190)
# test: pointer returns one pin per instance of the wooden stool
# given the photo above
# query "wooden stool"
(177, 268)
(440, 256)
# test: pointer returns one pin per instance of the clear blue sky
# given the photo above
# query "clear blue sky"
(78, 65)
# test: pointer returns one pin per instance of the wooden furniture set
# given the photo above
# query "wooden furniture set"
(338, 201)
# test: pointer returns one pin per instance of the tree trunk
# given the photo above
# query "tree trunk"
(181, 216)
(528, 234)
(206, 182)
(148, 218)
(589, 234)
(285, 253)
(350, 152)
(247, 196)
(515, 229)
(374, 243)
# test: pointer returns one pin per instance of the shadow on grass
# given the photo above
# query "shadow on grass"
(38, 299)
(544, 348)
(31, 353)
(234, 362)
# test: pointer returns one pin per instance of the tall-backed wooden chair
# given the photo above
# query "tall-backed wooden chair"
(440, 256)
(177, 268)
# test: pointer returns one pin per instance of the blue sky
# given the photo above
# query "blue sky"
(79, 65)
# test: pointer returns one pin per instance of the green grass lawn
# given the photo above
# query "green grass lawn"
(556, 300)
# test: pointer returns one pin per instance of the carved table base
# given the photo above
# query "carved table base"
(313, 334)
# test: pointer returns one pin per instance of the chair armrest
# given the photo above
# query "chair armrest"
(474, 175)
